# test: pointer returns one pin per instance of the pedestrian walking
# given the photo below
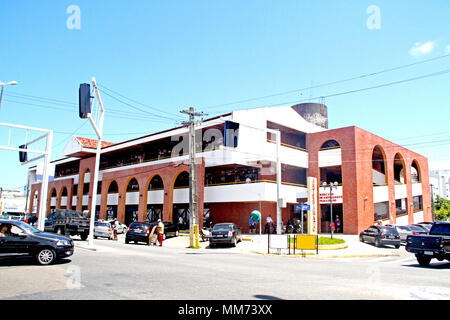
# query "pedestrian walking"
(269, 221)
(338, 225)
(252, 226)
(160, 228)
(115, 228)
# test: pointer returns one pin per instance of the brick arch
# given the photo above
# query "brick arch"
(405, 168)
(145, 195)
(122, 186)
(385, 162)
(172, 187)
(34, 191)
(49, 199)
(60, 195)
(419, 170)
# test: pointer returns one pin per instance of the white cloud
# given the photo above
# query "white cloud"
(420, 49)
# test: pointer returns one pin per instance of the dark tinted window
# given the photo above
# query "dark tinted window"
(138, 226)
(388, 230)
(415, 228)
(222, 227)
(440, 229)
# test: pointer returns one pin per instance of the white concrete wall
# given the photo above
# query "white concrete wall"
(378, 177)
(402, 221)
(113, 199)
(132, 198)
(328, 158)
(380, 194)
(418, 217)
(400, 191)
(416, 189)
(155, 197)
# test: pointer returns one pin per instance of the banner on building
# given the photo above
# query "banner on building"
(313, 203)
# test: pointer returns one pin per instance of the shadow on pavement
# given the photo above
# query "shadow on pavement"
(266, 297)
(441, 265)
(28, 261)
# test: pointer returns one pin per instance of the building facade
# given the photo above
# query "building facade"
(148, 177)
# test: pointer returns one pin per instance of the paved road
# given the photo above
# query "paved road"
(119, 271)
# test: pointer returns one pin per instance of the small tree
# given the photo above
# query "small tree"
(441, 209)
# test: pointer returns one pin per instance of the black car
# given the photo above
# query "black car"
(140, 231)
(380, 236)
(20, 239)
(227, 233)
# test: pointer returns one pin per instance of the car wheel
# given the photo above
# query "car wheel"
(377, 243)
(127, 241)
(212, 245)
(361, 239)
(95, 237)
(46, 256)
(397, 246)
(84, 236)
(423, 260)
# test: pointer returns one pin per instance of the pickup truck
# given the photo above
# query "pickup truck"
(434, 245)
(68, 222)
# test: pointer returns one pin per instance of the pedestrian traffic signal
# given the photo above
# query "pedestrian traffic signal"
(84, 100)
(23, 155)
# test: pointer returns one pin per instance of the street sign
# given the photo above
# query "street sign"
(304, 207)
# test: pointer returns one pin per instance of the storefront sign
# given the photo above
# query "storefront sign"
(324, 195)
(313, 203)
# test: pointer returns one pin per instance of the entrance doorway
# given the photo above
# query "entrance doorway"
(181, 216)
(131, 214)
(326, 218)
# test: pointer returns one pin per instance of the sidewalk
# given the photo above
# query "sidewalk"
(256, 244)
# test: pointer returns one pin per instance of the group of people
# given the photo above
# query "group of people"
(269, 227)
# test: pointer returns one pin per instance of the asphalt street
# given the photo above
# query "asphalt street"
(120, 271)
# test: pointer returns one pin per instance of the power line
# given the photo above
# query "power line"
(327, 83)
(136, 108)
(140, 103)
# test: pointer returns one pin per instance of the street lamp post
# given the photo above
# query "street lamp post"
(2, 84)
(332, 185)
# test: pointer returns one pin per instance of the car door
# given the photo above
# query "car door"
(371, 234)
(16, 243)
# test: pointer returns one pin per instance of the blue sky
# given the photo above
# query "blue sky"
(174, 54)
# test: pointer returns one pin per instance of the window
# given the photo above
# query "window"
(401, 206)
(417, 203)
(381, 210)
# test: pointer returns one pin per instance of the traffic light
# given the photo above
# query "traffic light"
(84, 100)
(23, 156)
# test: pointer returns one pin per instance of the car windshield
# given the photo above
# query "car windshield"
(27, 227)
(222, 227)
(102, 224)
(415, 229)
(440, 229)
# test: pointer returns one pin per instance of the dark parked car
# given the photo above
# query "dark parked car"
(227, 233)
(436, 244)
(20, 239)
(381, 235)
(140, 231)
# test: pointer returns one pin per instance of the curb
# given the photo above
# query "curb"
(313, 255)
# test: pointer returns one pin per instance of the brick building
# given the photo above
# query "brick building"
(147, 177)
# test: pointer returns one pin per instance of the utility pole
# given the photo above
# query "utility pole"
(193, 197)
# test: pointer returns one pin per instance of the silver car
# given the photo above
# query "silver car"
(122, 228)
(404, 231)
(103, 229)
